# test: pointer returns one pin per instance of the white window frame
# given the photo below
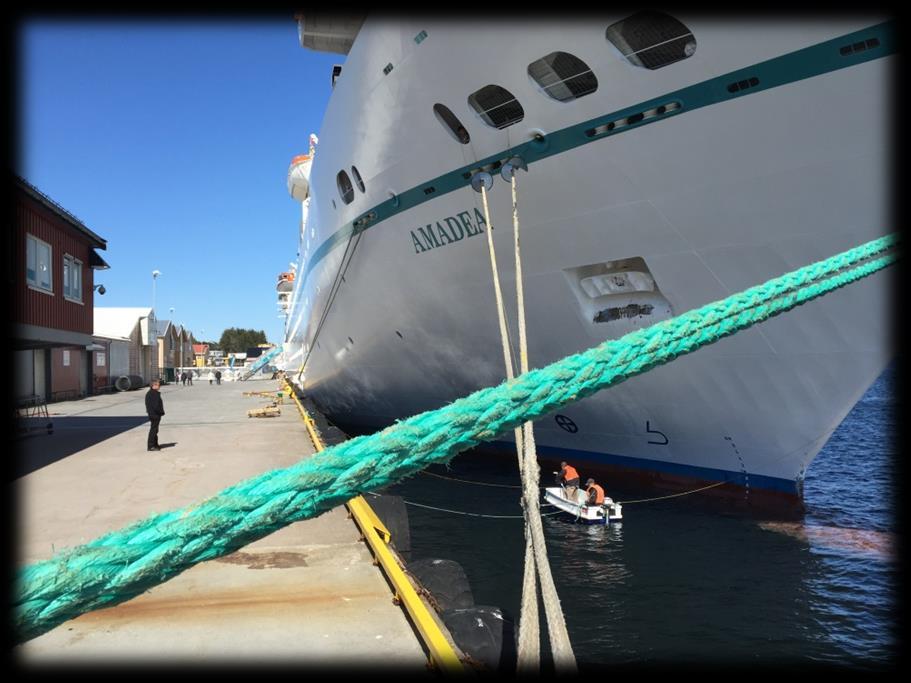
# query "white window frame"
(32, 255)
(72, 278)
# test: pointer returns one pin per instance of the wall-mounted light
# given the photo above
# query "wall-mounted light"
(100, 288)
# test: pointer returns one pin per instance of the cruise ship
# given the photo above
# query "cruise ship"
(669, 161)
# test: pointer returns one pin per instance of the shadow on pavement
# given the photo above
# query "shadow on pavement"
(37, 448)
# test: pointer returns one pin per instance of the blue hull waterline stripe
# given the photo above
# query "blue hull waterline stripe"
(743, 479)
(598, 458)
(878, 41)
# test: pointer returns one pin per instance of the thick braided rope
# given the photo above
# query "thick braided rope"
(560, 645)
(528, 650)
(125, 563)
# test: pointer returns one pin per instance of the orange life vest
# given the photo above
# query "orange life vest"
(599, 493)
(569, 472)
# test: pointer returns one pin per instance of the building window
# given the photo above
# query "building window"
(99, 359)
(496, 106)
(563, 76)
(358, 179)
(38, 263)
(451, 123)
(72, 278)
(66, 358)
(652, 39)
(345, 188)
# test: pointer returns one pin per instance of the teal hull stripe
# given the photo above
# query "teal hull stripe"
(795, 66)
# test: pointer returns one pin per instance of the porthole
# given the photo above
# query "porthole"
(345, 188)
(451, 123)
(563, 76)
(357, 178)
(496, 106)
(652, 39)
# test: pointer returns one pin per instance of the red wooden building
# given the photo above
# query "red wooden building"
(52, 263)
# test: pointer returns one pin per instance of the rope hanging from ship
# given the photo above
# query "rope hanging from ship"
(536, 566)
(125, 563)
(624, 502)
(351, 246)
(354, 239)
(467, 514)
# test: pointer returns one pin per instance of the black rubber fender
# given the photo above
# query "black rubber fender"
(486, 634)
(446, 580)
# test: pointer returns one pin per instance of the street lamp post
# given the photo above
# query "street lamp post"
(152, 324)
(178, 343)
(155, 274)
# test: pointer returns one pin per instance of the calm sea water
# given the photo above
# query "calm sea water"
(677, 585)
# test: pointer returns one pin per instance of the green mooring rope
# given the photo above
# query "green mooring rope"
(122, 564)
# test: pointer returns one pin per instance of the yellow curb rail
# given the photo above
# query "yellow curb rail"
(377, 536)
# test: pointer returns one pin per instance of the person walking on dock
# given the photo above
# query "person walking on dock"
(569, 479)
(155, 411)
(218, 376)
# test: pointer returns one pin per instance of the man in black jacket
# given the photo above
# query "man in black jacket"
(155, 409)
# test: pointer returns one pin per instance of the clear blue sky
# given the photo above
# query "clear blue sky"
(171, 139)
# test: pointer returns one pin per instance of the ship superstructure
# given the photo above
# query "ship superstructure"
(671, 161)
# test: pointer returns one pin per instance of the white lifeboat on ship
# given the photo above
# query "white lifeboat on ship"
(299, 176)
(285, 282)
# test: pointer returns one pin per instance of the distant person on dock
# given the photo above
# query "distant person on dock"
(218, 376)
(183, 378)
(155, 411)
(190, 377)
(595, 492)
(569, 478)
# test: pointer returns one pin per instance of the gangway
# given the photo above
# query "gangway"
(259, 364)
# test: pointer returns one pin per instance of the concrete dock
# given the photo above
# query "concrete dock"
(308, 594)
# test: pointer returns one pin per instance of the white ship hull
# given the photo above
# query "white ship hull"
(399, 317)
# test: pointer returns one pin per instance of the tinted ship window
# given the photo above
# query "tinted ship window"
(451, 123)
(496, 106)
(345, 188)
(652, 39)
(563, 76)
(358, 179)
